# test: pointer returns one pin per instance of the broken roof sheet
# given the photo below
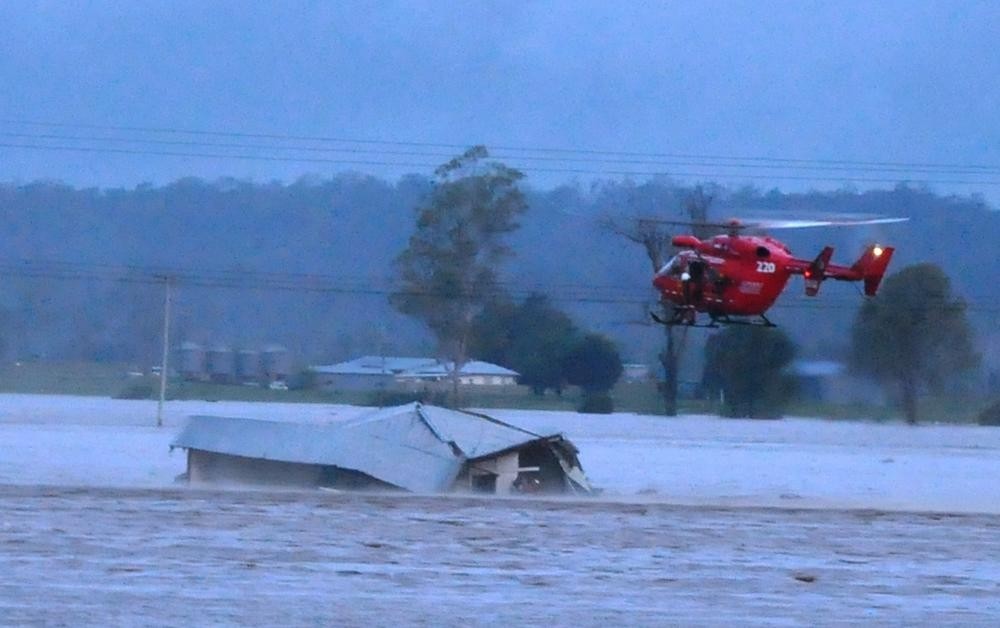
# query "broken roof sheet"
(475, 435)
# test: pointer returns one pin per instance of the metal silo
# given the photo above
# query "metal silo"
(192, 361)
(220, 365)
(276, 362)
(248, 365)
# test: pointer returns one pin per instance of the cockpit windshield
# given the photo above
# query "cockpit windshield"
(674, 267)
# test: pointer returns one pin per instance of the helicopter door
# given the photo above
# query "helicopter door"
(695, 287)
(697, 270)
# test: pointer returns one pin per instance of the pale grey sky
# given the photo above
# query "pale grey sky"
(912, 82)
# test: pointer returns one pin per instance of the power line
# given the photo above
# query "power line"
(156, 274)
(126, 151)
(585, 294)
(603, 172)
(565, 150)
(699, 162)
(609, 156)
(326, 284)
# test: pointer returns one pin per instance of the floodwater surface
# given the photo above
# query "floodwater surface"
(182, 556)
(703, 521)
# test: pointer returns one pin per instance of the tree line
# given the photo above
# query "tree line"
(915, 335)
(357, 225)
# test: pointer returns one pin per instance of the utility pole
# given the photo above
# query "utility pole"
(168, 284)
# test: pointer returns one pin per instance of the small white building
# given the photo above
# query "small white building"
(472, 373)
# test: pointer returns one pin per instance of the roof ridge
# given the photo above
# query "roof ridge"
(419, 409)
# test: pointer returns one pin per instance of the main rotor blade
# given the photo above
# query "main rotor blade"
(738, 223)
(805, 224)
(729, 224)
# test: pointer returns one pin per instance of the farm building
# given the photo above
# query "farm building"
(828, 381)
(192, 358)
(223, 365)
(393, 373)
(635, 372)
(415, 447)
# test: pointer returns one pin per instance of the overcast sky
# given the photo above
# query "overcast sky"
(909, 81)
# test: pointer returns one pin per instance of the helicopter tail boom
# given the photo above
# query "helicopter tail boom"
(870, 268)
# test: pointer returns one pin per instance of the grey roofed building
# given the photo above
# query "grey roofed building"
(375, 365)
(378, 372)
(473, 372)
(830, 381)
(633, 372)
(413, 447)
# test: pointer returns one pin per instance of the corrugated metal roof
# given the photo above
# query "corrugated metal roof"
(408, 456)
(375, 365)
(416, 447)
(409, 367)
(475, 435)
(473, 367)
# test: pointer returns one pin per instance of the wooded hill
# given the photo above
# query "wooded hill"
(349, 228)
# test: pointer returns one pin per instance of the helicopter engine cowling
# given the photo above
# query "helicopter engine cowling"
(686, 242)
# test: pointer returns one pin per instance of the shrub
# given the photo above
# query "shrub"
(747, 364)
(597, 403)
(991, 415)
(136, 390)
(302, 380)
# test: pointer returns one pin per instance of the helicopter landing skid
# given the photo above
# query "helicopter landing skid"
(685, 317)
(682, 317)
(760, 321)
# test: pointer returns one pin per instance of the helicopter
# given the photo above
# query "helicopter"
(735, 278)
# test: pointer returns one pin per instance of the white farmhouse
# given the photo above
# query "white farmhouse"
(383, 372)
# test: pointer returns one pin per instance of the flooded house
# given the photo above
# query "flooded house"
(414, 447)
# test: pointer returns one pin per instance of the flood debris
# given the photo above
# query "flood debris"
(414, 447)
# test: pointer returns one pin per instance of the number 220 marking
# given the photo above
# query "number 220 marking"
(765, 267)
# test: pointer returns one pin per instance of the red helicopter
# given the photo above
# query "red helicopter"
(736, 278)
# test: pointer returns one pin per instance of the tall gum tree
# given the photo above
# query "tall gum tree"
(913, 335)
(448, 270)
(655, 239)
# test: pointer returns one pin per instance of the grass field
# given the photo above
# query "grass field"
(66, 378)
(125, 381)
